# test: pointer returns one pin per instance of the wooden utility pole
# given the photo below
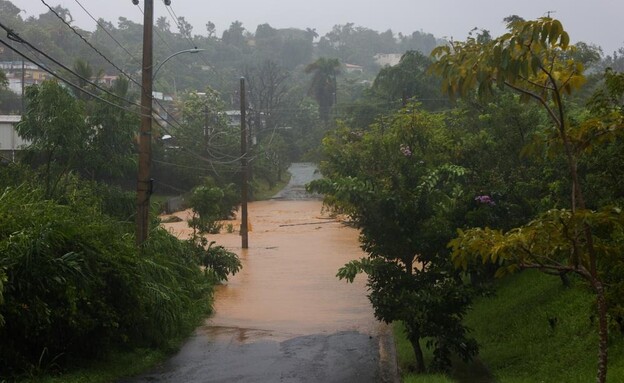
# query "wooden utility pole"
(23, 79)
(144, 184)
(243, 111)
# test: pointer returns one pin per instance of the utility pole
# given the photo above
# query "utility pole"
(23, 79)
(144, 184)
(206, 128)
(244, 224)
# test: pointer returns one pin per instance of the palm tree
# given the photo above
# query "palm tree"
(323, 87)
(85, 75)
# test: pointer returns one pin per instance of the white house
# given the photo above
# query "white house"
(10, 141)
(387, 59)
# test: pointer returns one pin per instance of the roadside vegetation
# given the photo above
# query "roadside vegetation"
(532, 328)
(463, 164)
(514, 177)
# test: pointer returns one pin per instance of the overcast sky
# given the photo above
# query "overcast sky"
(596, 21)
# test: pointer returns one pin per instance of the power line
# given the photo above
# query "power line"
(107, 32)
(13, 36)
(88, 43)
(17, 38)
(108, 60)
(161, 39)
(190, 39)
(77, 87)
(175, 20)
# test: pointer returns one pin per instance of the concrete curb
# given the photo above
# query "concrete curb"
(388, 366)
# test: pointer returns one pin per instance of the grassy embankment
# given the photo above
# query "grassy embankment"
(533, 330)
(264, 192)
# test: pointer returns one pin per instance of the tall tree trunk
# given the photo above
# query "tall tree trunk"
(578, 201)
(420, 360)
(413, 335)
(603, 333)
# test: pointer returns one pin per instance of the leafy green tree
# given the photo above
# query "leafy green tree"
(399, 187)
(271, 159)
(55, 125)
(210, 204)
(10, 103)
(204, 145)
(85, 76)
(533, 59)
(323, 86)
(409, 79)
(234, 35)
(110, 153)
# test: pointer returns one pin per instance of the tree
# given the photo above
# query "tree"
(409, 79)
(10, 103)
(54, 123)
(109, 153)
(185, 28)
(268, 88)
(204, 145)
(234, 34)
(85, 76)
(211, 28)
(399, 188)
(535, 60)
(323, 86)
(272, 159)
(163, 24)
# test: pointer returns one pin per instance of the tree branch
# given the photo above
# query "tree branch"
(538, 98)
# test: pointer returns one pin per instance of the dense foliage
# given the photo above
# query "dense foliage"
(73, 285)
(512, 185)
(493, 161)
(535, 59)
(398, 184)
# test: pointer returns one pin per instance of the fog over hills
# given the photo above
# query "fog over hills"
(596, 22)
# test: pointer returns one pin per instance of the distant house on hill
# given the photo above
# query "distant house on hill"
(18, 70)
(106, 80)
(387, 59)
(352, 68)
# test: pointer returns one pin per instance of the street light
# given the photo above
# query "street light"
(192, 50)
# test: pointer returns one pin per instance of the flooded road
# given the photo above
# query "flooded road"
(286, 317)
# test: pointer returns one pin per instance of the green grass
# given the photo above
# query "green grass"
(109, 369)
(518, 343)
(264, 192)
(429, 378)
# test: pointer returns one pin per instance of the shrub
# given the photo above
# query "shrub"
(72, 285)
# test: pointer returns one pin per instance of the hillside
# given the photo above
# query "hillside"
(532, 330)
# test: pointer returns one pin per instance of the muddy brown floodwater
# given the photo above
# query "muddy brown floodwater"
(286, 317)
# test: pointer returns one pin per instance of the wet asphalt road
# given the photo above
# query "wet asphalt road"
(285, 317)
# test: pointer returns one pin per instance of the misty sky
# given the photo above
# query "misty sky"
(597, 21)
